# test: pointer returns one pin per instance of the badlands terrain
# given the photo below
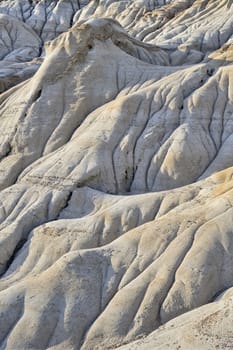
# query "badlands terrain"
(116, 174)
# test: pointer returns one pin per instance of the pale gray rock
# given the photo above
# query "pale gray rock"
(116, 175)
(47, 18)
(19, 45)
(18, 42)
(13, 73)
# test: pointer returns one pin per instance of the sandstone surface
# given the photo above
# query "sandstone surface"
(116, 174)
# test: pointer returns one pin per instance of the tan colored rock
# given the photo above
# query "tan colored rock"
(116, 174)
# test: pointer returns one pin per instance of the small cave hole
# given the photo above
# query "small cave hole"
(210, 72)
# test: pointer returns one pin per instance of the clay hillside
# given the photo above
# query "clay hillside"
(116, 174)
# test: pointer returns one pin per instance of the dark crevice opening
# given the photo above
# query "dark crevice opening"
(65, 205)
(15, 252)
(37, 95)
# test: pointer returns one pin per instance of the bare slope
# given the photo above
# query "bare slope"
(116, 173)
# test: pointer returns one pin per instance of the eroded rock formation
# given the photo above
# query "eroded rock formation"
(116, 172)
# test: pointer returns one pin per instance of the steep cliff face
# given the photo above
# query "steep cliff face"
(116, 168)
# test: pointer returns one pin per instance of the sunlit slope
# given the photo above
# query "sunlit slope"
(116, 135)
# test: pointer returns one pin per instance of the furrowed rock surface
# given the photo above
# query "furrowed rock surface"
(116, 174)
(19, 45)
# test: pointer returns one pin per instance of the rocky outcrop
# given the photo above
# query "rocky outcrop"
(116, 174)
(19, 45)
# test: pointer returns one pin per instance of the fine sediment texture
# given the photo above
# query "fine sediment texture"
(116, 174)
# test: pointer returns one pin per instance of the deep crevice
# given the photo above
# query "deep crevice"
(37, 95)
(18, 247)
(65, 205)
